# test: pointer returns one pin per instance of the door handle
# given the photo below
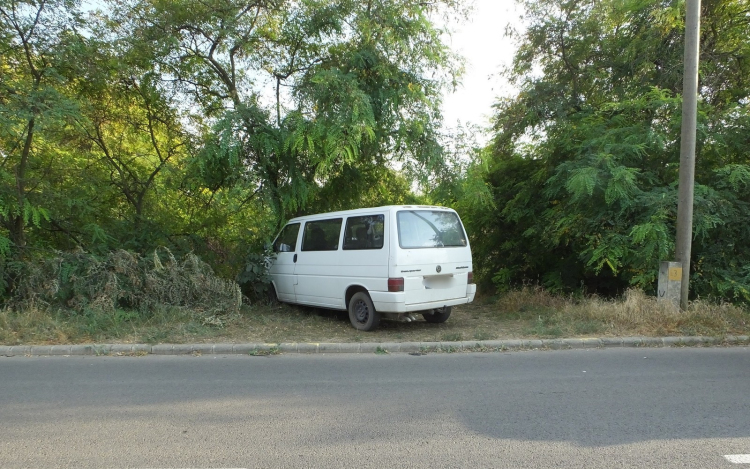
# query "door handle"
(295, 259)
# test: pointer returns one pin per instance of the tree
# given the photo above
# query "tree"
(202, 125)
(586, 155)
(292, 92)
(32, 34)
(132, 131)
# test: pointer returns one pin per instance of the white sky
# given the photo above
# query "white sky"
(482, 42)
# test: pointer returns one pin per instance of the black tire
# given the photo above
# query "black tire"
(438, 315)
(362, 313)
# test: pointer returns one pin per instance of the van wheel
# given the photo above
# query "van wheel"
(438, 315)
(362, 313)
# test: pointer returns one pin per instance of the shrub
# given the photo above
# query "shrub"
(255, 279)
(79, 280)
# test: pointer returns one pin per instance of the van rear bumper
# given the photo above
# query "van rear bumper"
(390, 302)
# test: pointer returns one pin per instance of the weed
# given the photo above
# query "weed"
(447, 349)
(587, 327)
(261, 352)
(451, 337)
(155, 336)
(80, 281)
(213, 320)
(138, 353)
(380, 351)
(545, 327)
(481, 348)
(483, 335)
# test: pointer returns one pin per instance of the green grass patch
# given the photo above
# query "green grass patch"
(588, 327)
(483, 335)
(545, 327)
(451, 337)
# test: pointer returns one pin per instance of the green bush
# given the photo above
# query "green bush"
(255, 279)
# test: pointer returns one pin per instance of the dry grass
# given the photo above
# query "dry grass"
(634, 314)
(526, 313)
(79, 281)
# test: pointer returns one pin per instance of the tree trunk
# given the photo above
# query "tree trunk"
(18, 231)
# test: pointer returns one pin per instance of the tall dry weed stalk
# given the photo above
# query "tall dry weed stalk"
(634, 313)
(122, 279)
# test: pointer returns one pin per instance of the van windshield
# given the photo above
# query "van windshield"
(429, 229)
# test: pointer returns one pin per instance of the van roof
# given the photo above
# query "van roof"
(370, 210)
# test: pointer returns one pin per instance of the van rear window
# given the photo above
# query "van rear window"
(321, 235)
(429, 229)
(364, 232)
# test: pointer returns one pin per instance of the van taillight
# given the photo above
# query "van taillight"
(471, 277)
(396, 284)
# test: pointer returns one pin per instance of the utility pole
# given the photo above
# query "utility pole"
(687, 145)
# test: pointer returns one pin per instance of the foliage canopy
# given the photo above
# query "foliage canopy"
(200, 126)
(585, 158)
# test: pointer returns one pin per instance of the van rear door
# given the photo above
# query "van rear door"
(433, 255)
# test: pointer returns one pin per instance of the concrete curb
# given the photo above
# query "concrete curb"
(366, 347)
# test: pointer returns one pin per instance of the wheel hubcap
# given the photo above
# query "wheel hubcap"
(361, 311)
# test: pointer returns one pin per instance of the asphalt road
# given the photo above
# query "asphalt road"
(579, 408)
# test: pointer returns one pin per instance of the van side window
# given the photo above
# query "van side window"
(321, 235)
(364, 232)
(287, 239)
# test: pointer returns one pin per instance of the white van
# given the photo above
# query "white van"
(383, 262)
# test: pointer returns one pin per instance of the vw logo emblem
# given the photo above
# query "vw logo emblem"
(438, 269)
